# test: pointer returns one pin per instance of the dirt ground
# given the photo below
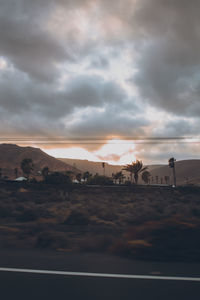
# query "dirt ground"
(151, 223)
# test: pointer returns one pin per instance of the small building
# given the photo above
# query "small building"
(21, 179)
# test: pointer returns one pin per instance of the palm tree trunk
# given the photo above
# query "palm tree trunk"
(136, 178)
(131, 176)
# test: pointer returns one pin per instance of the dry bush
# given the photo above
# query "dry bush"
(95, 243)
(77, 217)
(28, 215)
(52, 239)
(170, 239)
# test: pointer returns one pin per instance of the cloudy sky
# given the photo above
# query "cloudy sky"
(102, 80)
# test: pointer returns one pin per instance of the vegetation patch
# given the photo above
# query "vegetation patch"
(138, 222)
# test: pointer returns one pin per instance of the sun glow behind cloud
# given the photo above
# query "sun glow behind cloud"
(115, 151)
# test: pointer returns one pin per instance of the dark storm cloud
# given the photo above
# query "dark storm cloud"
(164, 36)
(99, 62)
(178, 128)
(94, 91)
(114, 120)
(43, 109)
(27, 43)
(168, 39)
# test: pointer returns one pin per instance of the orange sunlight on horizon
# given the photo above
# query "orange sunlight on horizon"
(115, 151)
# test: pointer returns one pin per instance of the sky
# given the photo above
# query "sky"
(101, 80)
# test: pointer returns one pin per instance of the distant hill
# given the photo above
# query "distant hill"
(11, 156)
(92, 167)
(96, 167)
(187, 171)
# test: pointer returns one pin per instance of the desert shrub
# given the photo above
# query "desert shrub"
(130, 247)
(160, 210)
(100, 180)
(51, 239)
(189, 190)
(5, 212)
(170, 239)
(77, 218)
(127, 182)
(34, 229)
(107, 215)
(196, 212)
(28, 215)
(33, 180)
(96, 243)
(119, 247)
(58, 178)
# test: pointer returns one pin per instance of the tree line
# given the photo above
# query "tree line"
(134, 169)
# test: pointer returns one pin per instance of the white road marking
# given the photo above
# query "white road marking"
(105, 275)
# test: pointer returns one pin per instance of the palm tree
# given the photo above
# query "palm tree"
(45, 172)
(171, 162)
(145, 176)
(129, 168)
(27, 166)
(114, 177)
(120, 176)
(156, 179)
(78, 177)
(86, 176)
(70, 174)
(136, 167)
(103, 166)
(16, 172)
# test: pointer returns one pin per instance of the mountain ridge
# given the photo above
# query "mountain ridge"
(11, 156)
(187, 171)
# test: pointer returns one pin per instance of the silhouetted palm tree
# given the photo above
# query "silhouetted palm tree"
(16, 172)
(86, 175)
(145, 176)
(103, 166)
(121, 177)
(156, 179)
(45, 172)
(171, 162)
(27, 166)
(135, 168)
(118, 176)
(70, 174)
(166, 179)
(78, 177)
(129, 168)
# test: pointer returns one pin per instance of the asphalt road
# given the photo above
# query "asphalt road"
(23, 285)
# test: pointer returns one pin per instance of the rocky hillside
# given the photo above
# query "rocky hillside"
(11, 156)
(187, 172)
(92, 166)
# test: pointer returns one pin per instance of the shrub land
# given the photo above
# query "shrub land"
(151, 223)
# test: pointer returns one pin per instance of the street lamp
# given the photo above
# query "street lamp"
(103, 166)
(171, 162)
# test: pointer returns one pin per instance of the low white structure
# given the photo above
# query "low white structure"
(75, 181)
(21, 179)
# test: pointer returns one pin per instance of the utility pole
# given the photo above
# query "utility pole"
(172, 165)
(103, 166)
